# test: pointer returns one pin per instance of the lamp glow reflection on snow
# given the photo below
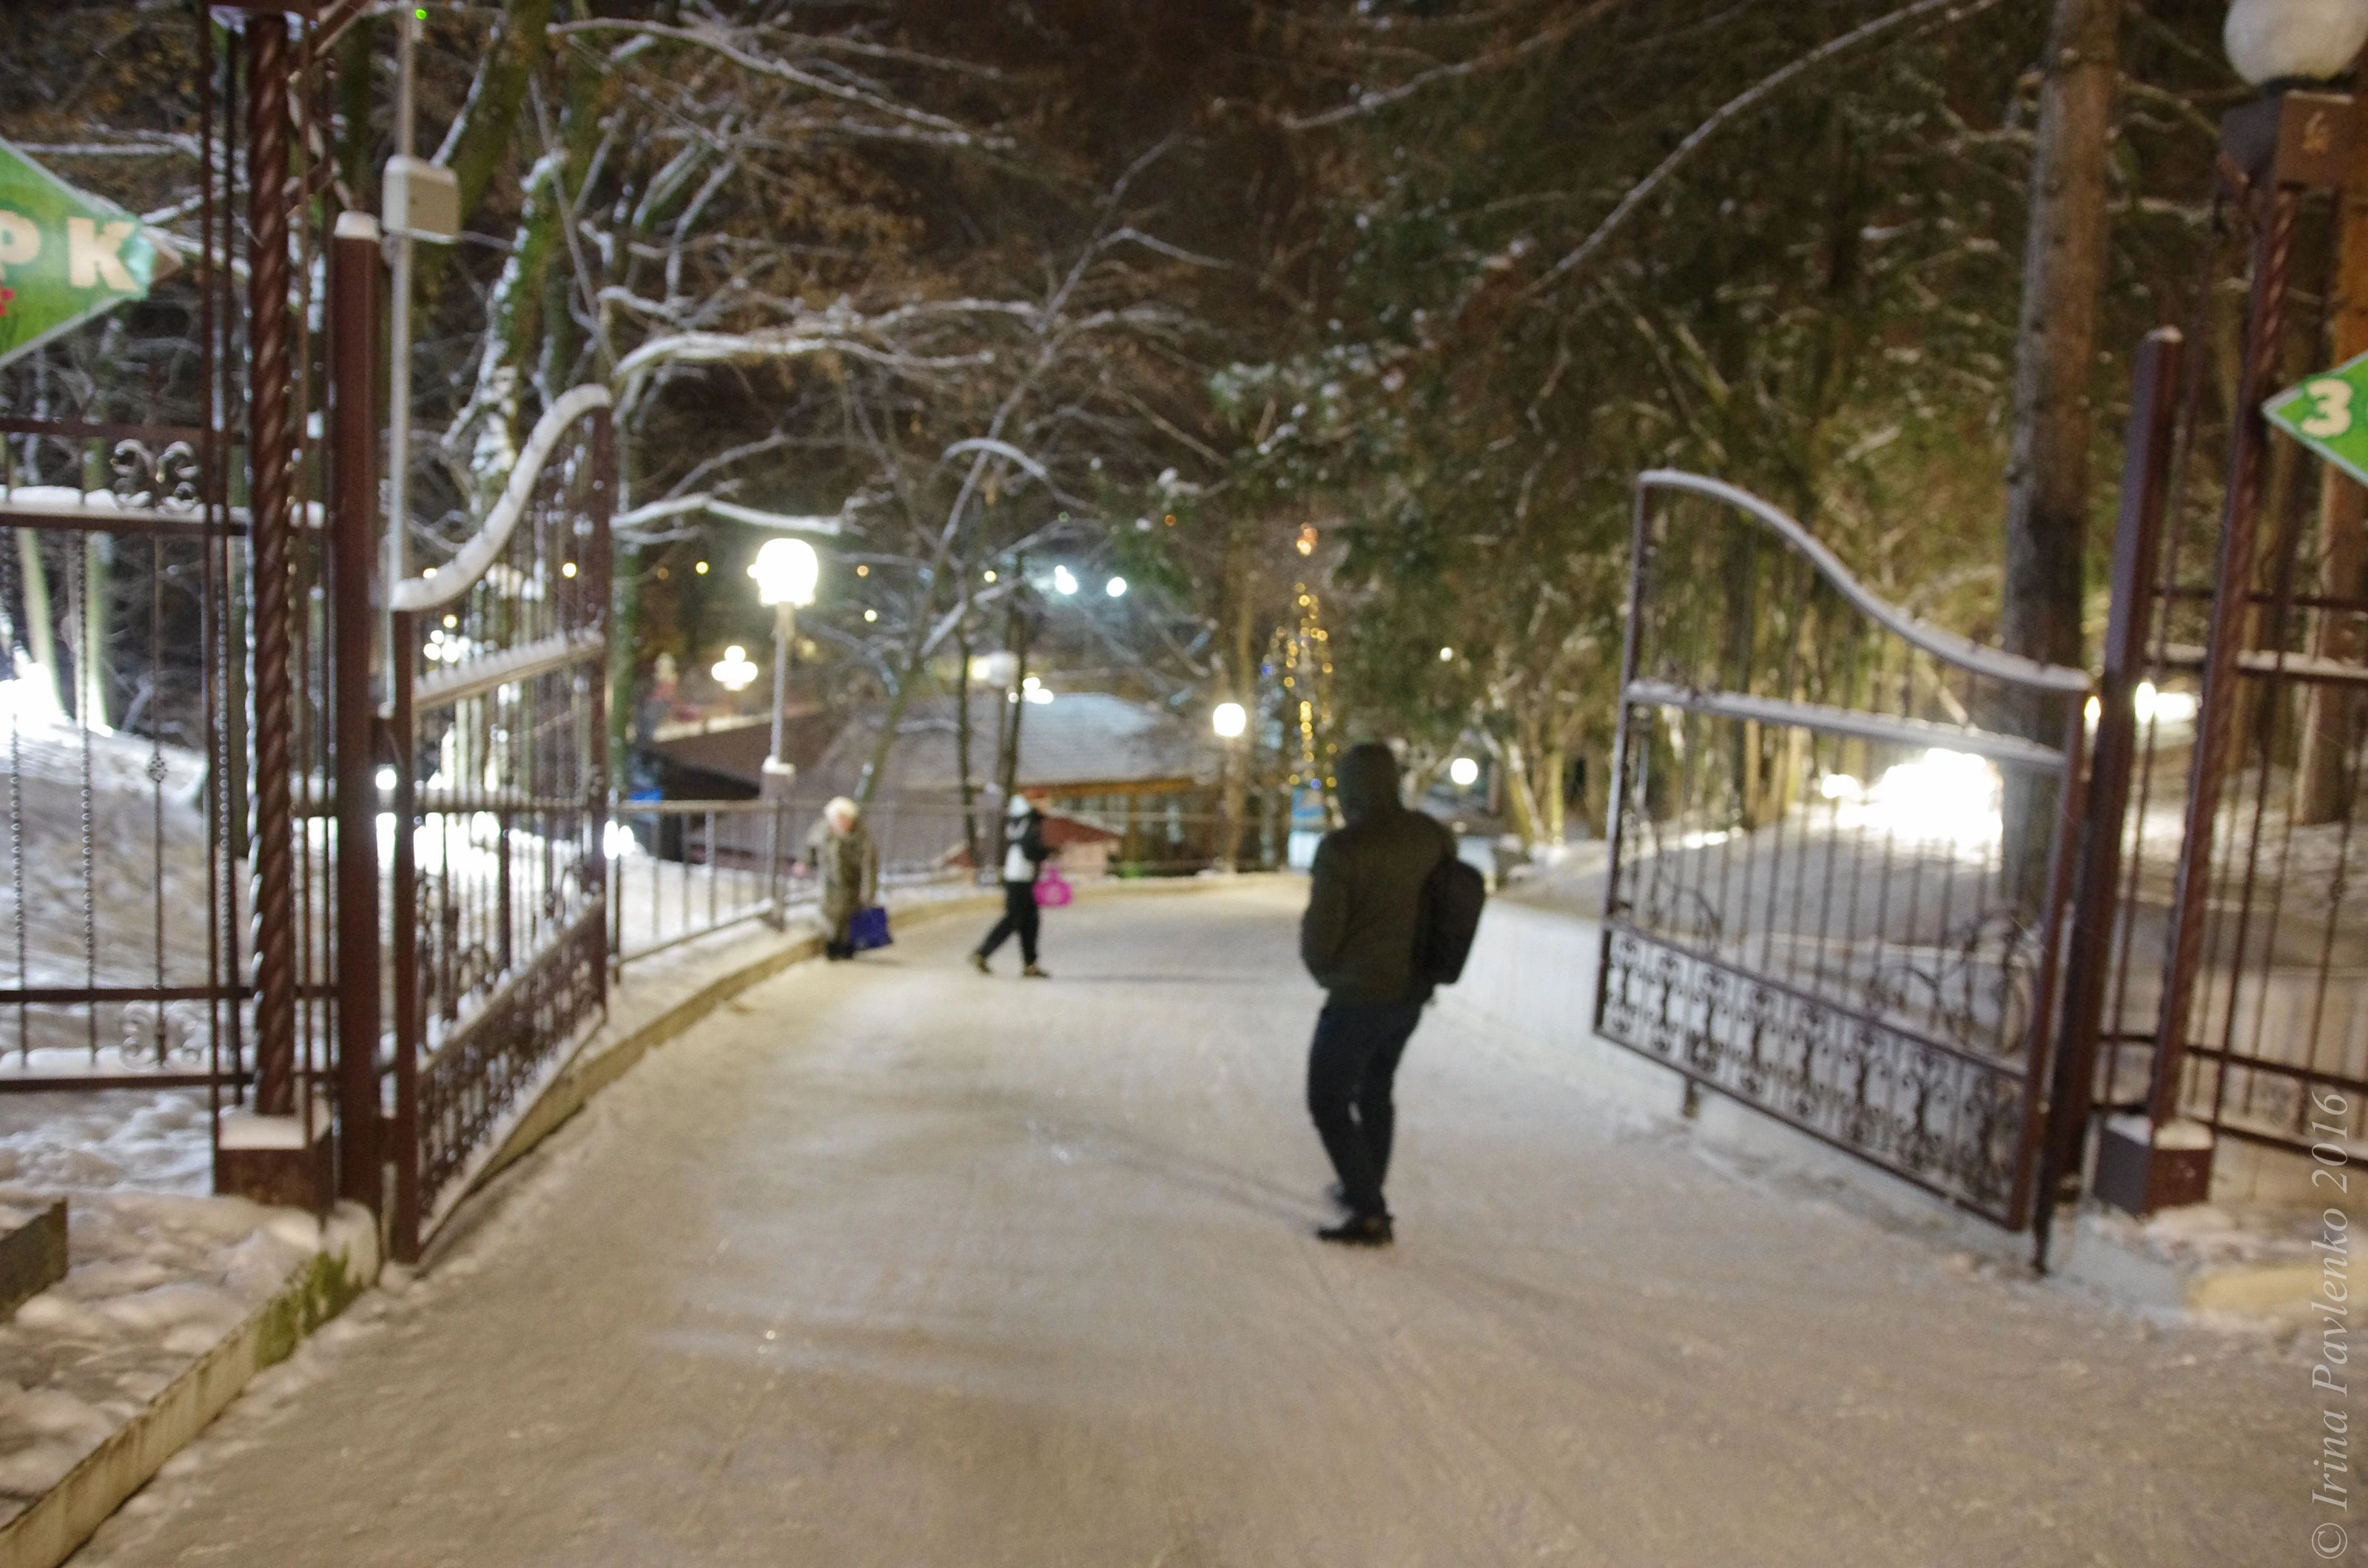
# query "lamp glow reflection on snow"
(2285, 41)
(1229, 720)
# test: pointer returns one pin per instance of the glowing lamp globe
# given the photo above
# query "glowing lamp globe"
(787, 572)
(2278, 41)
(1464, 772)
(734, 671)
(1229, 721)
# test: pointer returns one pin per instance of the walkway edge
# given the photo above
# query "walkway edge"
(62, 1519)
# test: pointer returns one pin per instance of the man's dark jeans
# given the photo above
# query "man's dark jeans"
(1019, 918)
(1350, 1070)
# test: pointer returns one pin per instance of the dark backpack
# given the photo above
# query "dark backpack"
(1451, 896)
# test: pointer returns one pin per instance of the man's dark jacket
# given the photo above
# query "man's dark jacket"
(1357, 936)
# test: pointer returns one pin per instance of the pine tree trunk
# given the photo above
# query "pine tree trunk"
(2328, 730)
(2065, 264)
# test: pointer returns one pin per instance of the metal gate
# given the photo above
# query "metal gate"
(1837, 863)
(498, 801)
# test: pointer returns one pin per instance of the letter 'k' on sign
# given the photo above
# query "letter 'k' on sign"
(65, 255)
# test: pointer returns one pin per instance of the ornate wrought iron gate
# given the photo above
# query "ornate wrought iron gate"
(1836, 872)
(499, 804)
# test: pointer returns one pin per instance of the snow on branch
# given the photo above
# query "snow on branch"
(719, 42)
(1947, 11)
(1368, 102)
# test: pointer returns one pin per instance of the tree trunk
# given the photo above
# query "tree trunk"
(961, 749)
(2064, 262)
(2327, 731)
(1239, 581)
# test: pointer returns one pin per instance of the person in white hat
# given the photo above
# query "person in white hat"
(847, 866)
(1023, 862)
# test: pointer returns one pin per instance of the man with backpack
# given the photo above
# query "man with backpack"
(1389, 916)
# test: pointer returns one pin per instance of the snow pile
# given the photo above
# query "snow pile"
(156, 1282)
(153, 1140)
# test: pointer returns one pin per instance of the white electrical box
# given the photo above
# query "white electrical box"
(422, 201)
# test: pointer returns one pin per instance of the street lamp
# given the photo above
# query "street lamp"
(733, 672)
(1229, 721)
(1464, 772)
(2287, 40)
(1063, 580)
(787, 572)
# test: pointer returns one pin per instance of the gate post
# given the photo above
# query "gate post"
(2137, 540)
(270, 371)
(353, 340)
(2144, 1176)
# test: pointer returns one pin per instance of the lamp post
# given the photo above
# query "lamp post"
(2296, 136)
(1231, 721)
(787, 572)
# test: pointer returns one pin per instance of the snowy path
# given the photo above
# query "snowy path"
(895, 1265)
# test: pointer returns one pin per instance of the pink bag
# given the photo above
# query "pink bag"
(1053, 890)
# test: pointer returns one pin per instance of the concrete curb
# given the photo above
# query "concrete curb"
(57, 1524)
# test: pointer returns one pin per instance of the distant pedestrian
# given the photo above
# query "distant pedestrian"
(846, 864)
(1023, 862)
(1359, 939)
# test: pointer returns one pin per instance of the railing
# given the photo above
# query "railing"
(1837, 856)
(499, 806)
(121, 940)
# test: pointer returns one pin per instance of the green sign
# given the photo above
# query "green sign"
(2329, 414)
(64, 255)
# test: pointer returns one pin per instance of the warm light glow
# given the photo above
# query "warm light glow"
(863, 570)
(700, 568)
(1116, 587)
(1447, 656)
(1942, 798)
(567, 568)
(452, 620)
(386, 780)
(1063, 580)
(787, 572)
(1464, 772)
(2167, 707)
(733, 672)
(1305, 543)
(1031, 683)
(870, 615)
(998, 669)
(989, 575)
(1841, 787)
(1229, 721)
(1039, 694)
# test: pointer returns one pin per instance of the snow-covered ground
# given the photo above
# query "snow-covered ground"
(892, 1263)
